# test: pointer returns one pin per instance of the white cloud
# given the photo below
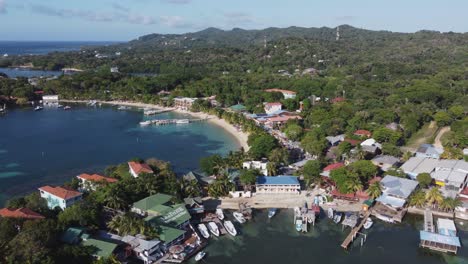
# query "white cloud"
(3, 8)
(174, 22)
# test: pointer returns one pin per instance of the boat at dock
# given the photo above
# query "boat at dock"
(220, 214)
(213, 227)
(239, 217)
(330, 213)
(368, 224)
(182, 121)
(337, 217)
(298, 224)
(230, 228)
(38, 108)
(145, 123)
(200, 255)
(67, 107)
(385, 218)
(122, 107)
(272, 212)
(203, 230)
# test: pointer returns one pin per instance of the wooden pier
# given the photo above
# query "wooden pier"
(352, 235)
(428, 221)
(162, 122)
(156, 111)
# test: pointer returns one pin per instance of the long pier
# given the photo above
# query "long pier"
(350, 238)
(149, 112)
(428, 221)
(161, 122)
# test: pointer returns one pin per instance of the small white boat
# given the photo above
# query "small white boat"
(203, 230)
(213, 227)
(145, 123)
(59, 106)
(330, 213)
(182, 121)
(337, 217)
(38, 108)
(299, 224)
(368, 224)
(67, 107)
(230, 228)
(220, 213)
(200, 255)
(122, 107)
(239, 217)
(150, 112)
(271, 212)
(385, 218)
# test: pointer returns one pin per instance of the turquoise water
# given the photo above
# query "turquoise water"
(53, 145)
(275, 240)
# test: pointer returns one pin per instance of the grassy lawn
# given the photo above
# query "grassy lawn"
(424, 135)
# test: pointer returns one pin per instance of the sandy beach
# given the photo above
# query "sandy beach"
(240, 136)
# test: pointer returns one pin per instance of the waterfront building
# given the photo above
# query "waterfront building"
(286, 93)
(385, 162)
(451, 175)
(444, 240)
(396, 190)
(278, 184)
(184, 103)
(90, 182)
(256, 164)
(271, 108)
(136, 168)
(194, 205)
(59, 196)
(429, 151)
(50, 99)
(146, 250)
(24, 213)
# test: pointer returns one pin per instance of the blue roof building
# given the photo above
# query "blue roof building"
(278, 184)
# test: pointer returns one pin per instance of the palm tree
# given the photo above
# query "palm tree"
(354, 184)
(433, 196)
(449, 204)
(272, 169)
(418, 199)
(374, 190)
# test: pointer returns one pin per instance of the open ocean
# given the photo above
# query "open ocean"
(44, 47)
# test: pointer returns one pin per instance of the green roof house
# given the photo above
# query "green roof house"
(102, 249)
(238, 108)
(169, 235)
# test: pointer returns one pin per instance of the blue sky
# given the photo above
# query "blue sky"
(127, 19)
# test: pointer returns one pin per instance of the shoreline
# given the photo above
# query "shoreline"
(240, 136)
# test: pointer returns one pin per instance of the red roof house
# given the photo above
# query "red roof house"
(96, 178)
(137, 168)
(20, 213)
(362, 132)
(326, 171)
(337, 100)
(59, 196)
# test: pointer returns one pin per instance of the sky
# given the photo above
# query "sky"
(122, 20)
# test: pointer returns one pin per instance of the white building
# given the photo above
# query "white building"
(114, 69)
(271, 108)
(257, 165)
(50, 99)
(286, 93)
(278, 184)
(59, 197)
(90, 182)
(184, 103)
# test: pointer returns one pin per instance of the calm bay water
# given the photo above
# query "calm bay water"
(276, 241)
(15, 73)
(53, 145)
(44, 47)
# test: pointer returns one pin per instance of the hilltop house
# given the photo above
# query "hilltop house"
(278, 184)
(90, 182)
(363, 133)
(371, 146)
(24, 213)
(59, 196)
(271, 108)
(136, 168)
(335, 140)
(255, 164)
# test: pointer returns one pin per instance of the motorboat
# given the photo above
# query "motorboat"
(337, 217)
(220, 214)
(213, 227)
(272, 212)
(230, 228)
(145, 123)
(122, 107)
(239, 217)
(299, 224)
(368, 224)
(67, 107)
(203, 230)
(200, 255)
(182, 121)
(59, 106)
(385, 218)
(38, 108)
(330, 213)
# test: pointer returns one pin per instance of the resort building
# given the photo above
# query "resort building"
(429, 151)
(101, 248)
(136, 168)
(257, 165)
(286, 93)
(184, 103)
(194, 205)
(278, 184)
(395, 191)
(24, 213)
(59, 196)
(90, 182)
(385, 162)
(271, 108)
(146, 250)
(50, 99)
(281, 119)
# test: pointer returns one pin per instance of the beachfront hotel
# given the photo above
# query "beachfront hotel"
(278, 184)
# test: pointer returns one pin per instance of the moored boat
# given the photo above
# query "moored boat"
(337, 217)
(298, 224)
(330, 213)
(272, 212)
(385, 218)
(145, 123)
(213, 227)
(220, 213)
(239, 217)
(230, 228)
(182, 121)
(67, 107)
(368, 224)
(38, 108)
(200, 255)
(203, 230)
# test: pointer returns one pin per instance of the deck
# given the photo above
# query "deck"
(350, 238)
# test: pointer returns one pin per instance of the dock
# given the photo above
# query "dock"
(161, 122)
(354, 231)
(428, 221)
(149, 112)
(444, 240)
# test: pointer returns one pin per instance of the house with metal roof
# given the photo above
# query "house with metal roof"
(335, 140)
(385, 162)
(146, 250)
(278, 184)
(451, 175)
(429, 151)
(417, 165)
(444, 240)
(100, 248)
(395, 191)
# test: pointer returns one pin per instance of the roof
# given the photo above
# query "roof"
(71, 235)
(139, 167)
(173, 215)
(353, 142)
(96, 178)
(169, 234)
(279, 91)
(60, 192)
(416, 165)
(103, 248)
(238, 107)
(386, 159)
(152, 201)
(390, 200)
(20, 213)
(446, 227)
(282, 118)
(399, 187)
(273, 104)
(335, 139)
(334, 166)
(277, 180)
(337, 193)
(139, 244)
(362, 132)
(429, 149)
(438, 238)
